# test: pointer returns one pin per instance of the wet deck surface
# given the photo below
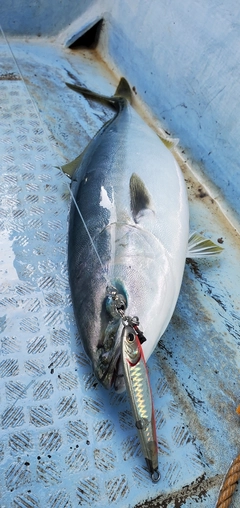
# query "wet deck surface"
(64, 440)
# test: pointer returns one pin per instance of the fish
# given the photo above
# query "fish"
(128, 235)
(140, 396)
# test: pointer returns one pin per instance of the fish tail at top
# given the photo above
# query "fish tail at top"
(90, 93)
(123, 91)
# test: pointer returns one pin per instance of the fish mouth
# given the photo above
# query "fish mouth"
(114, 377)
(118, 379)
(108, 363)
(109, 367)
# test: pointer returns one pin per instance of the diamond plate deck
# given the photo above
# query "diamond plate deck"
(64, 440)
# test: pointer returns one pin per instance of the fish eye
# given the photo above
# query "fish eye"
(115, 305)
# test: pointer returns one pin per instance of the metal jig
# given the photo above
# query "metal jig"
(140, 395)
(136, 378)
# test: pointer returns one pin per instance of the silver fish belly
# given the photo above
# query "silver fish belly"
(133, 203)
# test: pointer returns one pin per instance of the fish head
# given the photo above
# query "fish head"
(107, 360)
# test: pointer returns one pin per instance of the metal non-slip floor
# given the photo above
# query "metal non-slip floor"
(64, 440)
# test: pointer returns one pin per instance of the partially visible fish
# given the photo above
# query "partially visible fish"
(128, 235)
(140, 395)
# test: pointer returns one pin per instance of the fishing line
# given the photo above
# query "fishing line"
(22, 78)
(86, 229)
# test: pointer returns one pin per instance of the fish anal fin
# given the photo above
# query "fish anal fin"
(140, 199)
(200, 247)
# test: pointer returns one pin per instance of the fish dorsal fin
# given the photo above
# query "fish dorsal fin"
(124, 90)
(70, 168)
(201, 247)
(140, 199)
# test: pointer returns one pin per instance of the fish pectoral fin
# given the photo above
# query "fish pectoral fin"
(140, 199)
(200, 247)
(70, 168)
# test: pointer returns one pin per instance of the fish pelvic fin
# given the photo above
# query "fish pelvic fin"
(140, 199)
(201, 247)
(124, 90)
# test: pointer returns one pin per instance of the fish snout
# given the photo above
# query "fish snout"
(119, 381)
(108, 367)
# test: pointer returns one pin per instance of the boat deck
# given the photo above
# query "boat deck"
(64, 440)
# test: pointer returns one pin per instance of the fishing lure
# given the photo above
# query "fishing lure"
(140, 395)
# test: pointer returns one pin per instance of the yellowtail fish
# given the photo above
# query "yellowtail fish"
(128, 229)
(140, 395)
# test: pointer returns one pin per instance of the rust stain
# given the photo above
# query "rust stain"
(197, 490)
(201, 193)
(9, 76)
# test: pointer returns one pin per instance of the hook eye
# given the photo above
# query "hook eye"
(156, 476)
(131, 337)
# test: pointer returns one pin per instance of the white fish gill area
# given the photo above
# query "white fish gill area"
(64, 440)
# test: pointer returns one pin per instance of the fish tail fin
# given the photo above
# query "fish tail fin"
(124, 90)
(94, 95)
(200, 247)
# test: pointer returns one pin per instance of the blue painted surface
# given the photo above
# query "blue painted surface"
(39, 17)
